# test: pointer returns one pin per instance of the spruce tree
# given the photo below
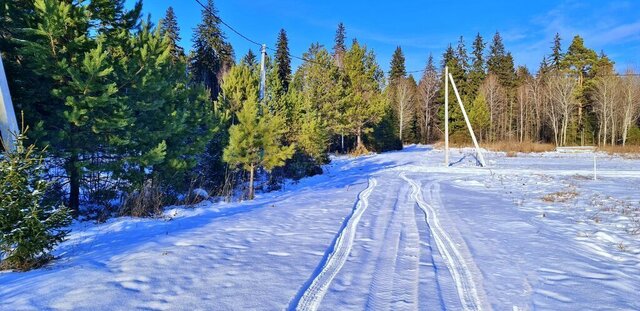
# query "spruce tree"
(169, 27)
(461, 55)
(398, 69)
(339, 47)
(212, 55)
(450, 60)
(283, 60)
(556, 53)
(30, 224)
(250, 60)
(500, 62)
(477, 72)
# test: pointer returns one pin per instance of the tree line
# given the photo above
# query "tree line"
(125, 109)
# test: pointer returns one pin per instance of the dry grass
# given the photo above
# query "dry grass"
(560, 196)
(510, 147)
(628, 151)
(149, 202)
(359, 151)
(515, 147)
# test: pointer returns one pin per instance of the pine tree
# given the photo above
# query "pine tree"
(254, 142)
(283, 60)
(212, 55)
(30, 225)
(397, 69)
(364, 104)
(579, 61)
(479, 115)
(169, 27)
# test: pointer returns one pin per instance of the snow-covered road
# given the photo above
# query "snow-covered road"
(396, 231)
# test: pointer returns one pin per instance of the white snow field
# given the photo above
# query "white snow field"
(395, 231)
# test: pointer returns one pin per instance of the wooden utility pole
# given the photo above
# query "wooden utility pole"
(446, 116)
(263, 71)
(466, 119)
(8, 123)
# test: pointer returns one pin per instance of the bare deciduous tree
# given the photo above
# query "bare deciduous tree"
(562, 102)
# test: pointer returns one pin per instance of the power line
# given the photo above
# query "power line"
(313, 61)
(250, 40)
(228, 26)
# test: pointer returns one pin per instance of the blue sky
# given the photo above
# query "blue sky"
(424, 27)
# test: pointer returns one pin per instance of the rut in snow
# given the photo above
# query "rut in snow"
(460, 272)
(315, 291)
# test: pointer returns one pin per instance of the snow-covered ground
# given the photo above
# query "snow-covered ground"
(396, 231)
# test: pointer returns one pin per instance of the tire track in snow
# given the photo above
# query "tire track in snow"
(462, 276)
(313, 294)
(382, 283)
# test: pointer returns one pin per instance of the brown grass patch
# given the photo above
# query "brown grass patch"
(628, 151)
(560, 196)
(510, 147)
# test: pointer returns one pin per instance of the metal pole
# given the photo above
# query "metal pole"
(446, 116)
(8, 123)
(263, 71)
(466, 119)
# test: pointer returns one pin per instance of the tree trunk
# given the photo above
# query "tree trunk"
(74, 185)
(251, 190)
(359, 139)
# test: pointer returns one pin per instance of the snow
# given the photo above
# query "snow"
(395, 231)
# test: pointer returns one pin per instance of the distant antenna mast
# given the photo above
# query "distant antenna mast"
(8, 123)
(263, 71)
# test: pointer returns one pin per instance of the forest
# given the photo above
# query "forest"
(120, 120)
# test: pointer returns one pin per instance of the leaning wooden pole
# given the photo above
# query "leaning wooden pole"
(466, 119)
(8, 123)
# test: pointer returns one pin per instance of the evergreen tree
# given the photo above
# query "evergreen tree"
(283, 60)
(479, 115)
(397, 69)
(461, 55)
(477, 72)
(500, 62)
(339, 47)
(30, 225)
(109, 17)
(544, 67)
(579, 61)
(556, 53)
(169, 27)
(212, 56)
(364, 103)
(250, 60)
(255, 142)
(456, 119)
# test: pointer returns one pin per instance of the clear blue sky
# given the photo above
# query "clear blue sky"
(423, 27)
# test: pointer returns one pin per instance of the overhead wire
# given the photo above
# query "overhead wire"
(306, 59)
(268, 48)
